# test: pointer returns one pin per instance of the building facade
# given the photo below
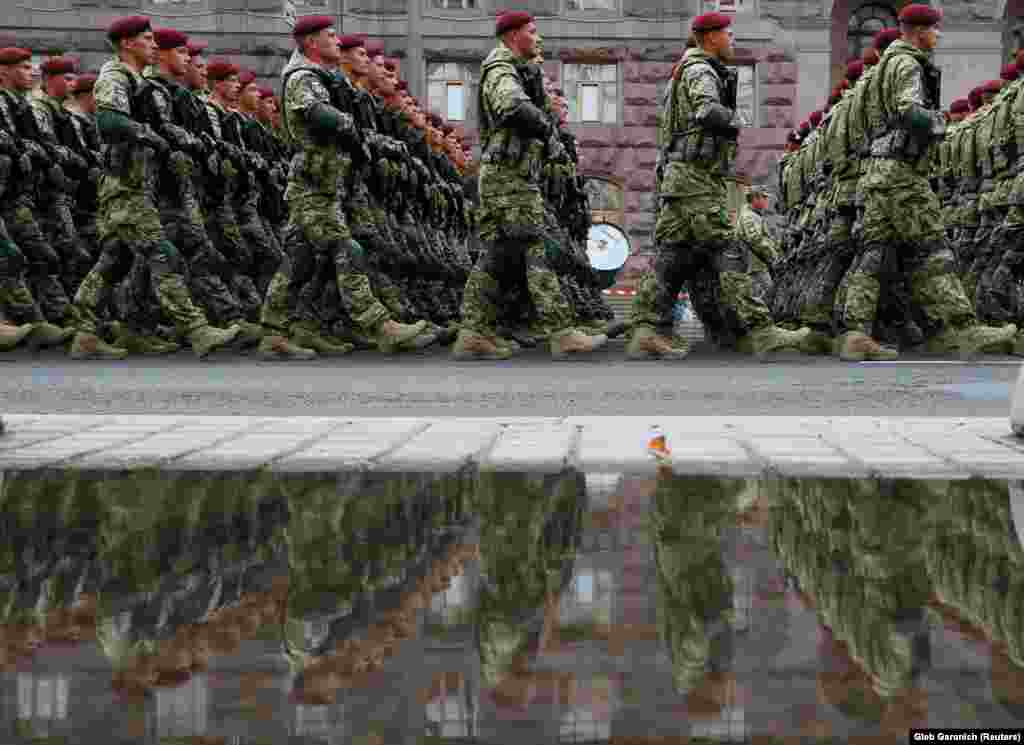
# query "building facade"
(612, 58)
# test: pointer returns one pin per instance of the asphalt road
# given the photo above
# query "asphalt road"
(707, 383)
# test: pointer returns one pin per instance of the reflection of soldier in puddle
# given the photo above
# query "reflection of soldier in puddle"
(695, 605)
(530, 533)
(857, 548)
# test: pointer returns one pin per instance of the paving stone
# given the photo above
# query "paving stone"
(887, 455)
(49, 453)
(712, 456)
(979, 456)
(252, 450)
(444, 446)
(352, 445)
(45, 429)
(611, 445)
(544, 447)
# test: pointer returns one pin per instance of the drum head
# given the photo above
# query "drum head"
(607, 247)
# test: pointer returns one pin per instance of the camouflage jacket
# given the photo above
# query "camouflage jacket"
(751, 228)
(129, 167)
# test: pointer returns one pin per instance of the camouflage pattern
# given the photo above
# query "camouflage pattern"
(764, 250)
(317, 187)
(130, 228)
(88, 137)
(901, 210)
(695, 242)
(510, 217)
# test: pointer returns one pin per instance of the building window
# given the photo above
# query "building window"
(182, 711)
(746, 95)
(865, 22)
(592, 92)
(454, 4)
(584, 5)
(449, 91)
(726, 6)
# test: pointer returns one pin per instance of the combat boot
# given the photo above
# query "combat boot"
(971, 341)
(472, 346)
(856, 346)
(11, 335)
(447, 335)
(772, 343)
(522, 337)
(571, 344)
(145, 345)
(647, 344)
(510, 344)
(617, 328)
(277, 347)
(250, 334)
(46, 334)
(341, 334)
(304, 335)
(206, 339)
(392, 335)
(91, 347)
(817, 343)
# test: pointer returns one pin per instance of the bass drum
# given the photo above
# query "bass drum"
(607, 251)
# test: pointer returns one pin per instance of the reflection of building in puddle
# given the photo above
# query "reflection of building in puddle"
(451, 707)
(589, 598)
(588, 708)
(182, 711)
(42, 704)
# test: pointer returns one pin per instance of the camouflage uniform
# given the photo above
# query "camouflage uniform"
(19, 208)
(511, 212)
(764, 249)
(88, 136)
(696, 244)
(16, 300)
(902, 211)
(62, 184)
(129, 221)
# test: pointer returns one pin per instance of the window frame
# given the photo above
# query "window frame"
(563, 83)
(866, 36)
(469, 83)
(615, 12)
(754, 85)
(479, 7)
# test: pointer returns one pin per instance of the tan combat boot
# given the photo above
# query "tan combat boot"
(91, 347)
(392, 335)
(571, 344)
(856, 346)
(772, 343)
(206, 339)
(145, 345)
(11, 335)
(305, 335)
(473, 346)
(647, 344)
(970, 341)
(47, 334)
(277, 347)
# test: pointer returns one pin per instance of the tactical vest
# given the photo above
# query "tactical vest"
(688, 141)
(503, 144)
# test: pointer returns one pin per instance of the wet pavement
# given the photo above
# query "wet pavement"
(150, 606)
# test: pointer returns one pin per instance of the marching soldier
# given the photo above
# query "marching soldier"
(696, 245)
(81, 104)
(130, 222)
(516, 136)
(764, 248)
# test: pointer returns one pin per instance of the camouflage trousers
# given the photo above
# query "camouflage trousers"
(17, 303)
(88, 234)
(266, 250)
(44, 265)
(999, 295)
(133, 241)
(222, 227)
(323, 252)
(514, 243)
(696, 248)
(58, 224)
(819, 272)
(991, 242)
(904, 235)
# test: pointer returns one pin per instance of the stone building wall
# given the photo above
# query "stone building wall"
(798, 48)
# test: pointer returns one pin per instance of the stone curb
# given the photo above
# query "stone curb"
(837, 447)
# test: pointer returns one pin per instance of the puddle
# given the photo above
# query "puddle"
(505, 608)
(980, 391)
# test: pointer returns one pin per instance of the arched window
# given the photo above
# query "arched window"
(865, 22)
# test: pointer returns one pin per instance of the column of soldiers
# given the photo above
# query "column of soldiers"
(901, 230)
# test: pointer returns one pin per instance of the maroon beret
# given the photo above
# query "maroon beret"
(919, 14)
(125, 28)
(196, 47)
(1010, 72)
(57, 66)
(169, 38)
(885, 37)
(84, 83)
(992, 86)
(1020, 58)
(974, 98)
(854, 70)
(374, 48)
(870, 57)
(311, 24)
(246, 76)
(815, 118)
(509, 20)
(805, 127)
(351, 41)
(710, 22)
(266, 91)
(960, 106)
(14, 55)
(219, 69)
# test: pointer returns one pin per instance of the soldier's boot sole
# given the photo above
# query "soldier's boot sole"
(83, 349)
(465, 349)
(394, 343)
(219, 339)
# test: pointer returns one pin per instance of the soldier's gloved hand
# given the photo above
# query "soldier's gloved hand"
(556, 150)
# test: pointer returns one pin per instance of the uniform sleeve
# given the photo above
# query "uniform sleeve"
(503, 92)
(756, 234)
(702, 92)
(305, 90)
(1017, 120)
(181, 137)
(113, 93)
(44, 120)
(908, 87)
